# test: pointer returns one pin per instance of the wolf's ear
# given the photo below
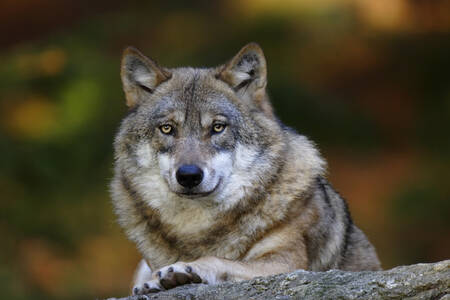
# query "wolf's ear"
(246, 72)
(140, 75)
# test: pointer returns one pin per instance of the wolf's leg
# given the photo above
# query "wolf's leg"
(142, 281)
(212, 270)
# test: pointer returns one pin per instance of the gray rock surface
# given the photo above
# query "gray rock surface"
(421, 281)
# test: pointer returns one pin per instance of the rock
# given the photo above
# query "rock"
(421, 281)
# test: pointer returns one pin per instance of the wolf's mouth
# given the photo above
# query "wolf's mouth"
(191, 194)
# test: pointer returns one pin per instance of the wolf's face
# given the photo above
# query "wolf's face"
(201, 130)
(192, 131)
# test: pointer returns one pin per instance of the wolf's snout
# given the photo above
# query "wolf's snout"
(189, 176)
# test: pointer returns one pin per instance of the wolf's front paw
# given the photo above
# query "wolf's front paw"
(148, 287)
(178, 274)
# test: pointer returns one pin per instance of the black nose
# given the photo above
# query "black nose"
(189, 175)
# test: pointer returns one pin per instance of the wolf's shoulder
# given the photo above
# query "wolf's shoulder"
(303, 155)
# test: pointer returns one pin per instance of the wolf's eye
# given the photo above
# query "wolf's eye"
(218, 128)
(166, 128)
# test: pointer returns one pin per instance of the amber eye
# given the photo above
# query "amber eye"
(166, 128)
(218, 128)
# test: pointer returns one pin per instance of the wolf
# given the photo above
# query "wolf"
(211, 186)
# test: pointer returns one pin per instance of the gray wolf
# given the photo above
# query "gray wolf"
(211, 186)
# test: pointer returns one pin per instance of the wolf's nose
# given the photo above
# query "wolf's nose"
(189, 175)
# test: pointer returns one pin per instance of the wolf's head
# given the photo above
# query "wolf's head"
(206, 134)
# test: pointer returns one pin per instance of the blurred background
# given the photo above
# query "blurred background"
(369, 81)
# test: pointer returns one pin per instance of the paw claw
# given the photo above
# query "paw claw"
(135, 291)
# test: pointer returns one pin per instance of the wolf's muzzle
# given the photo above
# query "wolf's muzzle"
(189, 176)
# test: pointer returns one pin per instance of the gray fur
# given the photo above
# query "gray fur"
(264, 200)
